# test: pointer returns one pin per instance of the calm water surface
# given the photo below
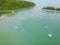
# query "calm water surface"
(32, 26)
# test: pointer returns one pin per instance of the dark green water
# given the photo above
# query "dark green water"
(31, 27)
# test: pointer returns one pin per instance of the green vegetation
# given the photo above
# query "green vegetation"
(58, 9)
(7, 5)
(51, 8)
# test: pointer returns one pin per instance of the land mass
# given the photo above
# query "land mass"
(7, 5)
(51, 8)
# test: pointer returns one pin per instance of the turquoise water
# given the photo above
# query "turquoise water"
(32, 26)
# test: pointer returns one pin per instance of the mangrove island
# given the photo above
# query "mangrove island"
(51, 8)
(10, 6)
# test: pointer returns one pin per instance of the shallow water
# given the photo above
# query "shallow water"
(31, 26)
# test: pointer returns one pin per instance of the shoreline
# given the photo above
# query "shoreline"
(13, 10)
